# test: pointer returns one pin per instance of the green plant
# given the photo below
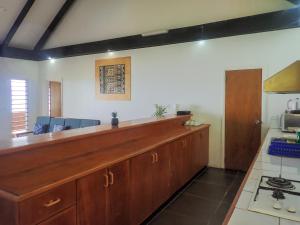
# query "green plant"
(160, 110)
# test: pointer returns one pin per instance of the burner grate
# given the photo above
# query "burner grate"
(281, 183)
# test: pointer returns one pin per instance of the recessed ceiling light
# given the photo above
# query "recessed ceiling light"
(201, 42)
(110, 52)
(51, 60)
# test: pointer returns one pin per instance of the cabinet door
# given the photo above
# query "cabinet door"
(118, 200)
(196, 149)
(177, 165)
(92, 199)
(141, 187)
(188, 157)
(200, 149)
(161, 176)
(67, 217)
(204, 147)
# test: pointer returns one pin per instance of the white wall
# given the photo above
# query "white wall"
(17, 69)
(188, 73)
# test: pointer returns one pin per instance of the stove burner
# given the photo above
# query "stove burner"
(278, 194)
(279, 182)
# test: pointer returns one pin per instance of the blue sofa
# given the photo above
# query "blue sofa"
(47, 124)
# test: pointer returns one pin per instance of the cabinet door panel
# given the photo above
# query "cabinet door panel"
(141, 187)
(204, 148)
(161, 176)
(177, 165)
(118, 201)
(92, 199)
(67, 217)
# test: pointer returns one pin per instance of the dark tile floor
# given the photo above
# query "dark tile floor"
(204, 201)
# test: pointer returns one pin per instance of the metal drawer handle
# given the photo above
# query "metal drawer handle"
(156, 156)
(52, 203)
(106, 181)
(111, 178)
(153, 157)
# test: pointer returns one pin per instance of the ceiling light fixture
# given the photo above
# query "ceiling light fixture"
(201, 42)
(51, 60)
(110, 52)
(152, 33)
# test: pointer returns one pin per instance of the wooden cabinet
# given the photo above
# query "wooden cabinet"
(200, 149)
(67, 217)
(150, 183)
(180, 162)
(38, 208)
(118, 177)
(103, 197)
(141, 187)
(161, 176)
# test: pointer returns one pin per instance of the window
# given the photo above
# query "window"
(19, 106)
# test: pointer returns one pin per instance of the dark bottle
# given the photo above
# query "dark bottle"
(114, 120)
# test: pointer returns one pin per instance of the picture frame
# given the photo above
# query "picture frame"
(113, 78)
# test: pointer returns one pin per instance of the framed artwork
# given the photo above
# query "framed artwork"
(113, 78)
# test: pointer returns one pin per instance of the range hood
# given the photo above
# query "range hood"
(285, 81)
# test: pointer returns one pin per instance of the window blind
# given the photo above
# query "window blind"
(19, 106)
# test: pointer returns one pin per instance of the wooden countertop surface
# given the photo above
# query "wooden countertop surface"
(30, 182)
(24, 143)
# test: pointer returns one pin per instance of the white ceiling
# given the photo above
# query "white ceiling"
(35, 23)
(94, 20)
(9, 10)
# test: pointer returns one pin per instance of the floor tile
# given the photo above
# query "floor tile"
(198, 208)
(217, 176)
(207, 190)
(219, 215)
(171, 218)
(205, 202)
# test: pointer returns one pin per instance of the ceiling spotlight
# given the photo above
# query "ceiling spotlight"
(201, 42)
(51, 60)
(110, 52)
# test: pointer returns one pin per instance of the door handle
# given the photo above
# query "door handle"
(258, 122)
(106, 180)
(111, 178)
(153, 157)
(156, 157)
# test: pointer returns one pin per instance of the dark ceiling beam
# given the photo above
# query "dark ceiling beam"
(295, 2)
(17, 53)
(18, 22)
(53, 25)
(279, 20)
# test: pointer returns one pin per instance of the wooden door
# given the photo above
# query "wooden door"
(119, 191)
(92, 199)
(55, 99)
(242, 117)
(161, 176)
(141, 170)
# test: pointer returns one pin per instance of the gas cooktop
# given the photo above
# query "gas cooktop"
(278, 197)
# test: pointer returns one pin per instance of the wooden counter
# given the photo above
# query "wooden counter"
(35, 170)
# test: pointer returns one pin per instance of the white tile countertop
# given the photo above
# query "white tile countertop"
(268, 165)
